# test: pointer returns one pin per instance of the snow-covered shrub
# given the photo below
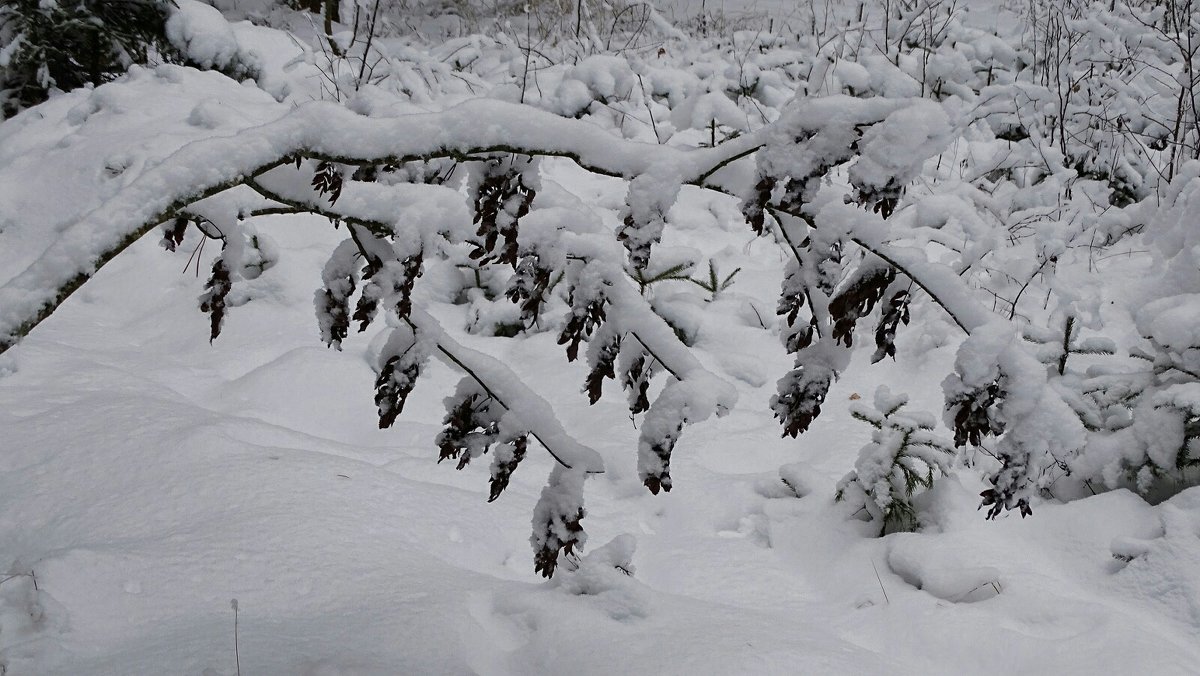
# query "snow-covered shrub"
(999, 389)
(1145, 420)
(204, 39)
(602, 570)
(396, 229)
(48, 46)
(602, 78)
(890, 208)
(904, 455)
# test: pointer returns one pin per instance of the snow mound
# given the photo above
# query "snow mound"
(201, 33)
(957, 584)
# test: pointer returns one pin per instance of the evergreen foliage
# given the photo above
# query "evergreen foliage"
(65, 44)
(903, 458)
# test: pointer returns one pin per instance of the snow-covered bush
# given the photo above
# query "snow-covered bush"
(204, 39)
(1145, 416)
(889, 207)
(999, 389)
(263, 170)
(48, 46)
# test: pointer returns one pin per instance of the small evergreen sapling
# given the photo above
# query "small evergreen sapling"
(904, 454)
(715, 284)
(1055, 346)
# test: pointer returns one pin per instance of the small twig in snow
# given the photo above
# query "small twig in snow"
(880, 581)
(236, 654)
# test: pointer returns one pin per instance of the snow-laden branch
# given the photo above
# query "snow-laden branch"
(333, 133)
(943, 283)
(381, 209)
(532, 412)
(703, 393)
(330, 132)
(812, 138)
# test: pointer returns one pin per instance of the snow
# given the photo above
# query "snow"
(530, 410)
(202, 34)
(322, 128)
(606, 77)
(699, 111)
(952, 581)
(1173, 322)
(185, 479)
(154, 486)
(360, 574)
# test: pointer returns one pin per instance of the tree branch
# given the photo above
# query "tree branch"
(510, 392)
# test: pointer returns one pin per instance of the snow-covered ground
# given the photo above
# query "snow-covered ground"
(154, 486)
(148, 478)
